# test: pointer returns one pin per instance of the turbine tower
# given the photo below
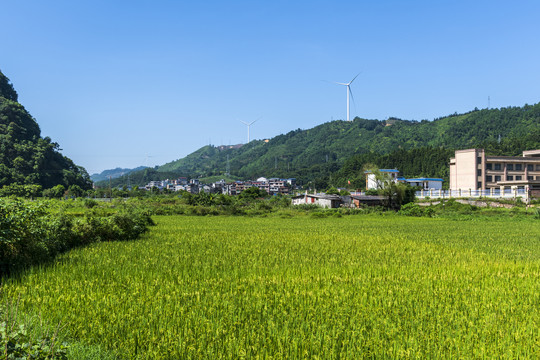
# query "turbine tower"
(248, 126)
(349, 94)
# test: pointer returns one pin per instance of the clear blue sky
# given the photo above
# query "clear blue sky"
(128, 83)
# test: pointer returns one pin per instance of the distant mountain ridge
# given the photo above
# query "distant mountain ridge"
(114, 173)
(321, 152)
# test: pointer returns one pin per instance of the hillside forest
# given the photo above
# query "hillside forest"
(331, 154)
(336, 153)
(26, 158)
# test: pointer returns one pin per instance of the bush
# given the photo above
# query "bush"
(89, 203)
(412, 209)
(35, 232)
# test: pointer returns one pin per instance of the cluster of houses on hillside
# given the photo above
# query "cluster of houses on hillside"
(472, 174)
(273, 186)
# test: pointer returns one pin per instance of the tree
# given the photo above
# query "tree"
(6, 88)
(55, 192)
(395, 193)
(27, 191)
(75, 191)
(332, 191)
(253, 193)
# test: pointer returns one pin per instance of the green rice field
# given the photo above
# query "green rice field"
(366, 286)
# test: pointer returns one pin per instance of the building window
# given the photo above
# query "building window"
(537, 167)
(479, 159)
(497, 166)
(497, 178)
(530, 177)
(479, 185)
(489, 178)
(509, 178)
(479, 172)
(518, 177)
(530, 167)
(489, 166)
(518, 167)
(509, 166)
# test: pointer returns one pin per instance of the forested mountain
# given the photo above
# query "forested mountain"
(335, 152)
(26, 158)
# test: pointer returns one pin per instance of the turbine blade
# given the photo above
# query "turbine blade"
(350, 82)
(243, 122)
(352, 98)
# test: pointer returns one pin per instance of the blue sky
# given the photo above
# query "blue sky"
(129, 83)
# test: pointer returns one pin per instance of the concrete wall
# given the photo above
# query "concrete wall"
(464, 172)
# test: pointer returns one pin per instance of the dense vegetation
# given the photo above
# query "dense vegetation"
(304, 287)
(35, 232)
(25, 157)
(316, 154)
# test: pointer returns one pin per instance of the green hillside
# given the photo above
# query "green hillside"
(26, 158)
(324, 154)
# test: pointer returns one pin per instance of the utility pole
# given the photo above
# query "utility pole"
(110, 189)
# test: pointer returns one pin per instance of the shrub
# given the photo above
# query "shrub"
(34, 232)
(89, 203)
(412, 209)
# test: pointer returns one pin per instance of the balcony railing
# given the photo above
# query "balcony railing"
(468, 193)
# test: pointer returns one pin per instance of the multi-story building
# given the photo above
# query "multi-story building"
(473, 169)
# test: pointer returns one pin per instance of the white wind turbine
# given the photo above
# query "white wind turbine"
(248, 126)
(349, 94)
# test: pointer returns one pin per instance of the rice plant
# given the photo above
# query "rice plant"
(300, 287)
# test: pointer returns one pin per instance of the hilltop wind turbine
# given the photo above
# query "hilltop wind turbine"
(349, 93)
(248, 126)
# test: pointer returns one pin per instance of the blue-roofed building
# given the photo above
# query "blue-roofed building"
(393, 175)
(426, 183)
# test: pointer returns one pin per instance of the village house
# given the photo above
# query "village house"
(273, 186)
(322, 200)
(393, 175)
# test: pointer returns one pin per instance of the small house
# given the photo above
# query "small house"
(322, 200)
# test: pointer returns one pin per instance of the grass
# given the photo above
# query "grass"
(350, 287)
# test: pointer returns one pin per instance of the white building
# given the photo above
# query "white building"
(426, 183)
(373, 183)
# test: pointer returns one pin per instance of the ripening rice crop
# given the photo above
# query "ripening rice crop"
(351, 287)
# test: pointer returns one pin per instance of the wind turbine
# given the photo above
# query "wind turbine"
(349, 93)
(248, 126)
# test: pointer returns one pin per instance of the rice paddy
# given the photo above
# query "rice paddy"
(351, 287)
